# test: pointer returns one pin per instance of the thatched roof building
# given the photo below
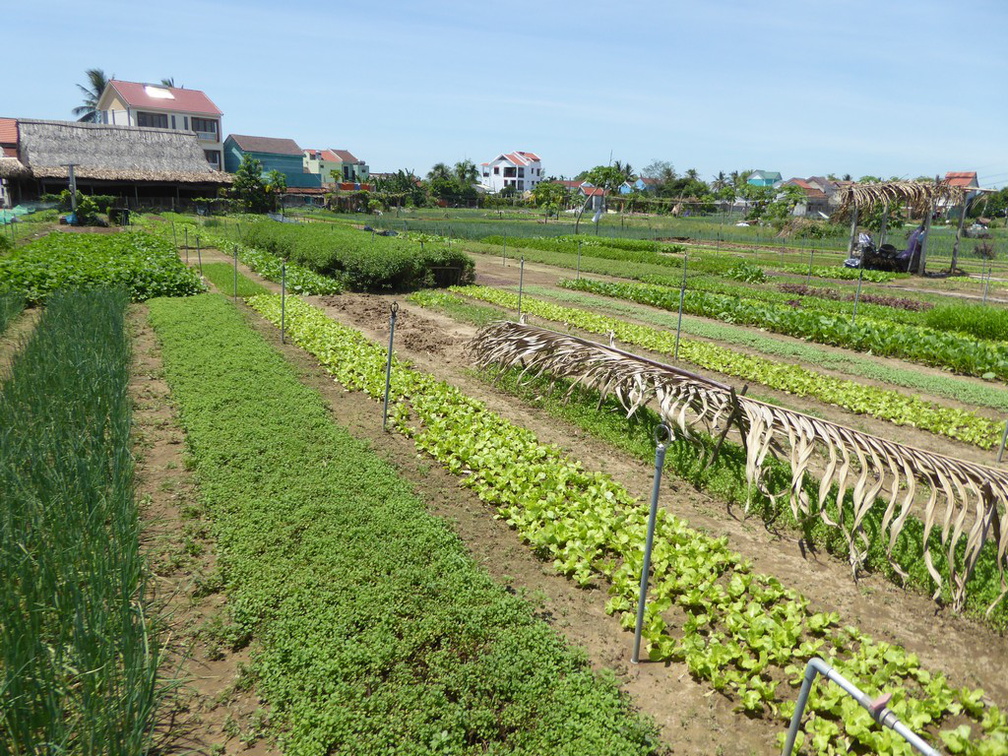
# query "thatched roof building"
(111, 159)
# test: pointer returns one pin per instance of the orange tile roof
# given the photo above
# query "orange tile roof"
(186, 100)
(961, 178)
(8, 131)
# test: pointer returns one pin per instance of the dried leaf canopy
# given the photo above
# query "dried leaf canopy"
(965, 502)
(917, 195)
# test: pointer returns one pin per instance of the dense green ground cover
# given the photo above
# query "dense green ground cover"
(943, 349)
(222, 276)
(892, 406)
(144, 265)
(11, 306)
(77, 654)
(366, 261)
(376, 632)
(742, 632)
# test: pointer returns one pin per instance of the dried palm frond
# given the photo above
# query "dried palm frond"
(917, 195)
(967, 502)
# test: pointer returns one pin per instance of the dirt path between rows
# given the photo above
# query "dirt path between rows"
(693, 718)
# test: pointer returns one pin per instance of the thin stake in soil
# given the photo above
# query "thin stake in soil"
(394, 310)
(662, 434)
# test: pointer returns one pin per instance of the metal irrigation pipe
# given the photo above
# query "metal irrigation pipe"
(394, 310)
(857, 294)
(579, 261)
(236, 272)
(283, 302)
(521, 285)
(199, 256)
(661, 430)
(877, 708)
(682, 299)
(1004, 440)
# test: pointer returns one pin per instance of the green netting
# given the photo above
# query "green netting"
(8, 215)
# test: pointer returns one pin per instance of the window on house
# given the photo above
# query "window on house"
(521, 172)
(152, 120)
(213, 157)
(185, 122)
(205, 126)
(521, 184)
(173, 122)
(509, 171)
(496, 170)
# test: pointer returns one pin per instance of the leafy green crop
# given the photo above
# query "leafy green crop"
(78, 652)
(11, 306)
(364, 261)
(743, 632)
(376, 632)
(222, 276)
(144, 265)
(982, 322)
(893, 406)
(925, 345)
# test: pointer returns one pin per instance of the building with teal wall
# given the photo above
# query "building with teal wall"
(281, 155)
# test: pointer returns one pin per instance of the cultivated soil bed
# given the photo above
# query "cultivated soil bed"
(693, 718)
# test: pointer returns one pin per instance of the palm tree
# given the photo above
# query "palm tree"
(88, 110)
(466, 173)
(439, 171)
(169, 82)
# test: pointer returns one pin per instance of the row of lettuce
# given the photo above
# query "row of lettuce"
(409, 647)
(953, 351)
(743, 633)
(713, 273)
(893, 406)
(78, 655)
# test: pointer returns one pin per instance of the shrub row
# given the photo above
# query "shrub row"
(77, 657)
(144, 265)
(951, 351)
(378, 633)
(744, 633)
(367, 262)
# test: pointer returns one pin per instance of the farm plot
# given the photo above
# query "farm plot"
(466, 438)
(78, 653)
(140, 263)
(404, 646)
(364, 261)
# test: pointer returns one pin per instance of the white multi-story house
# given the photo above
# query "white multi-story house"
(128, 103)
(521, 170)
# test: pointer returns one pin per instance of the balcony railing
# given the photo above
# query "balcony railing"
(207, 136)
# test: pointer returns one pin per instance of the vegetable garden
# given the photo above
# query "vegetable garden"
(865, 436)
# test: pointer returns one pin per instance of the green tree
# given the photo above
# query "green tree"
(169, 82)
(606, 176)
(275, 186)
(466, 173)
(439, 171)
(87, 111)
(549, 197)
(249, 187)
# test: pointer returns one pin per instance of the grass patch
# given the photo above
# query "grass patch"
(222, 276)
(11, 306)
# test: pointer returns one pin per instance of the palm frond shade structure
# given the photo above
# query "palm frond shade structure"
(916, 195)
(965, 501)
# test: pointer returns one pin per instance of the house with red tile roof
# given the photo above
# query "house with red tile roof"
(8, 154)
(816, 200)
(519, 170)
(130, 103)
(336, 166)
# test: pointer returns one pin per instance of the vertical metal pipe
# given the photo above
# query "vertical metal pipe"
(236, 272)
(283, 302)
(857, 294)
(579, 261)
(877, 708)
(1004, 440)
(990, 268)
(199, 256)
(660, 431)
(808, 278)
(187, 245)
(388, 363)
(174, 235)
(682, 300)
(521, 284)
(504, 253)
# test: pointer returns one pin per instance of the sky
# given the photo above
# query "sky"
(885, 87)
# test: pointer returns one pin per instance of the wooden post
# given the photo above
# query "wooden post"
(927, 232)
(959, 230)
(885, 225)
(853, 232)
